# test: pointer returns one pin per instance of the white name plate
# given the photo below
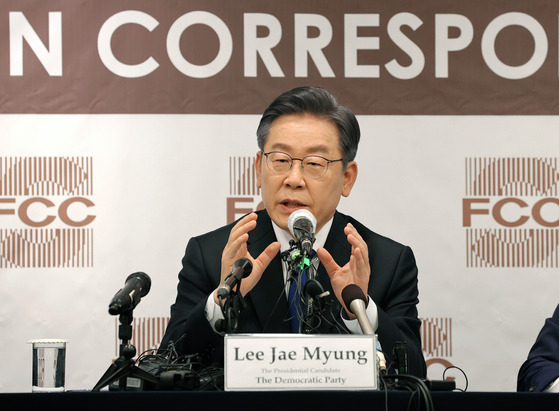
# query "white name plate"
(255, 362)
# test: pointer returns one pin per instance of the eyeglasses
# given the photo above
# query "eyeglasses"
(313, 166)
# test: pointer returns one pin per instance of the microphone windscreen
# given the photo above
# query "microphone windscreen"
(144, 278)
(301, 213)
(313, 288)
(245, 265)
(352, 292)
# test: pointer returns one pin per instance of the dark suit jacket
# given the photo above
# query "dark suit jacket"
(542, 365)
(393, 287)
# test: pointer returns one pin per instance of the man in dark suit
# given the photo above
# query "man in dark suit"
(306, 161)
(540, 372)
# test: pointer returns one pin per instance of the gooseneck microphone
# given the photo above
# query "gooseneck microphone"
(355, 300)
(136, 286)
(241, 268)
(301, 224)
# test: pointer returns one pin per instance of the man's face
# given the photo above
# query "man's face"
(301, 136)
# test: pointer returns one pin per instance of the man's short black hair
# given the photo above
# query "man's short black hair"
(319, 102)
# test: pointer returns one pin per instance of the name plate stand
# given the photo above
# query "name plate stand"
(265, 362)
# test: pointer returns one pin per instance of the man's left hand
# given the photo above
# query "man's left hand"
(356, 271)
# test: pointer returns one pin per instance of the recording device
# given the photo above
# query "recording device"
(401, 357)
(301, 224)
(137, 285)
(241, 268)
(356, 301)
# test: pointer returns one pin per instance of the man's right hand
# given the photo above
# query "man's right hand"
(236, 248)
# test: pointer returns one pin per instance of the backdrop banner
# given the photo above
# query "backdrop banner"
(129, 127)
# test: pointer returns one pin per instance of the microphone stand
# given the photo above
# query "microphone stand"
(311, 308)
(234, 304)
(297, 261)
(124, 367)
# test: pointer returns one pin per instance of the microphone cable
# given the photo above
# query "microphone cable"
(281, 295)
(335, 325)
(412, 384)
(463, 373)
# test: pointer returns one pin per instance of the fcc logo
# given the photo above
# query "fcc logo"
(511, 212)
(436, 341)
(244, 196)
(46, 212)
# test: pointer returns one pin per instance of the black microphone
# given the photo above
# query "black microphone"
(355, 300)
(316, 292)
(136, 286)
(241, 268)
(301, 224)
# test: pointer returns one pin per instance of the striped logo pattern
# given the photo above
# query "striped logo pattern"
(436, 337)
(147, 333)
(45, 247)
(512, 248)
(242, 177)
(47, 176)
(512, 177)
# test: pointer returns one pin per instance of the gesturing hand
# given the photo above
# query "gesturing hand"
(236, 248)
(356, 271)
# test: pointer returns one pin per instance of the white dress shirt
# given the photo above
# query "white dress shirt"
(553, 387)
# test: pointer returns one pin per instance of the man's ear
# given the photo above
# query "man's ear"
(350, 175)
(258, 169)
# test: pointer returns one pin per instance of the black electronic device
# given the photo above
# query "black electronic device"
(401, 357)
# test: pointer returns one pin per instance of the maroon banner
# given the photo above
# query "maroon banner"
(209, 56)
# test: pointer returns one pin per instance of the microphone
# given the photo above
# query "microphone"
(355, 300)
(301, 224)
(241, 268)
(316, 292)
(136, 286)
